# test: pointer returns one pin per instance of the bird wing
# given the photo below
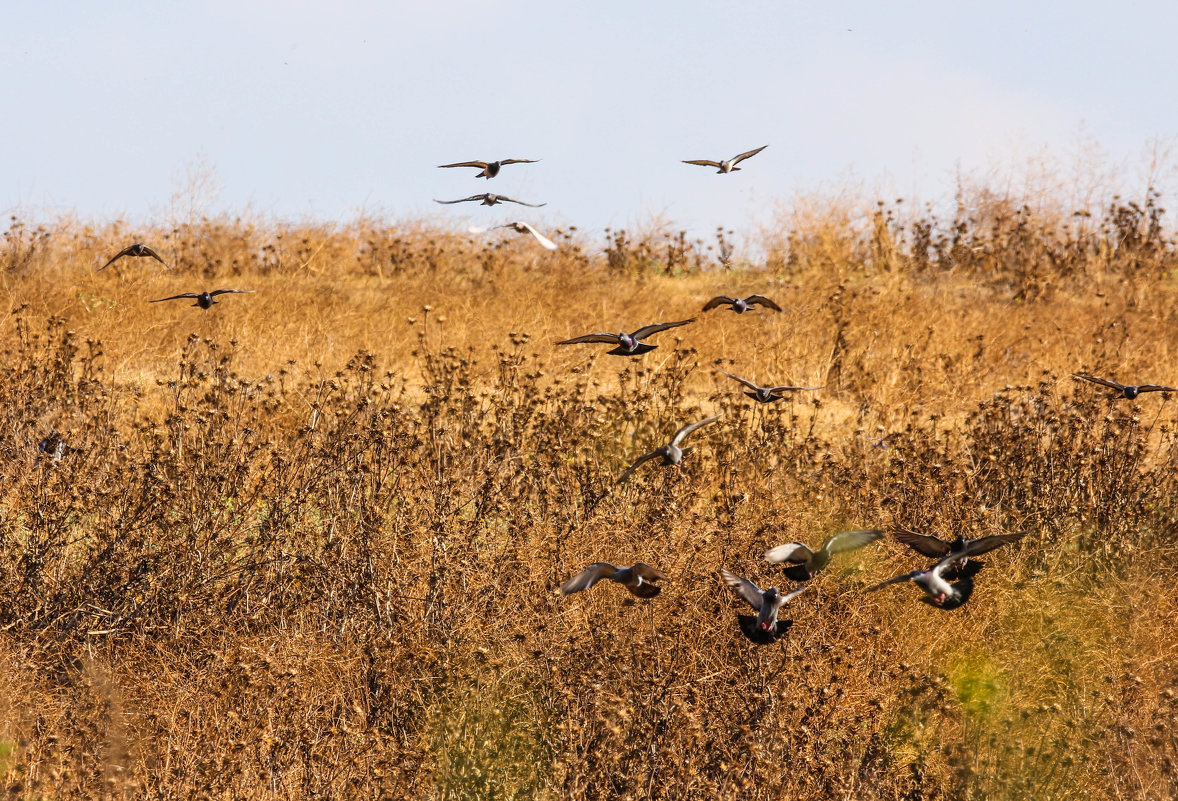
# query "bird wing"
(851, 540)
(897, 580)
(744, 381)
(987, 544)
(782, 600)
(748, 154)
(747, 590)
(118, 256)
(719, 300)
(480, 164)
(646, 457)
(654, 328)
(463, 200)
(753, 300)
(543, 240)
(1155, 388)
(519, 161)
(1104, 382)
(231, 291)
(155, 256)
(648, 573)
(588, 577)
(794, 552)
(177, 297)
(505, 199)
(683, 433)
(778, 390)
(925, 544)
(600, 337)
(704, 163)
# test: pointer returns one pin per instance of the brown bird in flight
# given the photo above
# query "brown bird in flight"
(204, 299)
(637, 579)
(489, 168)
(139, 250)
(730, 165)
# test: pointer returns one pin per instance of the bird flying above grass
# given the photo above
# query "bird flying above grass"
(672, 452)
(806, 563)
(740, 305)
(1129, 391)
(204, 299)
(627, 344)
(765, 628)
(138, 250)
(489, 199)
(638, 579)
(767, 394)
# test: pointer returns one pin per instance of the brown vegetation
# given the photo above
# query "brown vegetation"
(307, 542)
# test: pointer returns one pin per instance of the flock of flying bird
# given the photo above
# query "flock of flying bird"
(947, 584)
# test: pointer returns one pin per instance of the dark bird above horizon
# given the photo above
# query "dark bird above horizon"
(489, 168)
(204, 299)
(768, 603)
(937, 548)
(935, 581)
(138, 250)
(1129, 391)
(730, 165)
(806, 563)
(638, 579)
(627, 344)
(740, 305)
(672, 452)
(767, 394)
(489, 199)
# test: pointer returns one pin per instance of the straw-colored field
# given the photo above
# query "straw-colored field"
(307, 543)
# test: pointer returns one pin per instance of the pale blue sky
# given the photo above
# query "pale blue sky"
(318, 110)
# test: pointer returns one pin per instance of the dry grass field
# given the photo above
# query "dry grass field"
(306, 544)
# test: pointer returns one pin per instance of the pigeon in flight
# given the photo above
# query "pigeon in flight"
(489, 168)
(767, 394)
(765, 627)
(938, 548)
(740, 305)
(935, 581)
(671, 453)
(638, 579)
(627, 344)
(204, 299)
(138, 250)
(806, 563)
(1124, 390)
(490, 199)
(730, 165)
(524, 228)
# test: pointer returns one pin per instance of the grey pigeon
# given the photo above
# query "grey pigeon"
(627, 344)
(671, 453)
(935, 581)
(489, 168)
(204, 299)
(740, 305)
(730, 165)
(766, 394)
(524, 228)
(490, 199)
(806, 563)
(1129, 391)
(638, 579)
(138, 250)
(768, 603)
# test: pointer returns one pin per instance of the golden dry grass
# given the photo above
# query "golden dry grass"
(310, 539)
